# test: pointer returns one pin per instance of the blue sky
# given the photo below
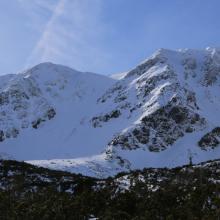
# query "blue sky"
(103, 36)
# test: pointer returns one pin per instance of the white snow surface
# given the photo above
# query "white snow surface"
(73, 95)
(118, 76)
(70, 142)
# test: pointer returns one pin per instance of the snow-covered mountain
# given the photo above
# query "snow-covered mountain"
(44, 109)
(164, 112)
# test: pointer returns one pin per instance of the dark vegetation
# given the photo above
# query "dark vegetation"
(190, 192)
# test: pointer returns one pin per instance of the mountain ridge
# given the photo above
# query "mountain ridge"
(159, 114)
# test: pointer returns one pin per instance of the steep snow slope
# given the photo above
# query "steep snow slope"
(70, 95)
(164, 112)
(177, 103)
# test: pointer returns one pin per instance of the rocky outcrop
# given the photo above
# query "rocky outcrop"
(211, 68)
(20, 102)
(210, 140)
(48, 116)
(160, 129)
(98, 120)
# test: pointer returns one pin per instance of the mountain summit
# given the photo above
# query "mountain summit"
(162, 113)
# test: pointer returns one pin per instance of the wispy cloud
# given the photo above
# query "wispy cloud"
(46, 47)
(70, 35)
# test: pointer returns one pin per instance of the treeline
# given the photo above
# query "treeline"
(182, 193)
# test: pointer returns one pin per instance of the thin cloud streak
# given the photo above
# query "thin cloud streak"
(41, 50)
(71, 36)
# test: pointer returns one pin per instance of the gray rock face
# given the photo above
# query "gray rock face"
(166, 101)
(160, 129)
(98, 120)
(22, 105)
(210, 140)
(211, 68)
